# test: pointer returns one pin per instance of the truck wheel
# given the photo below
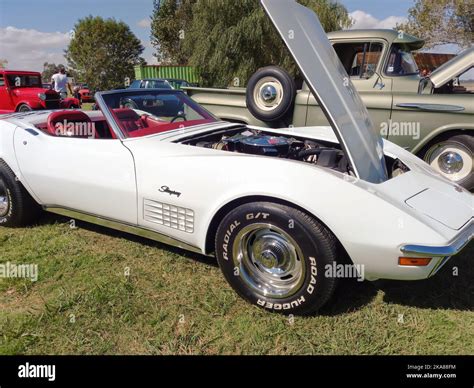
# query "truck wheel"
(451, 155)
(17, 208)
(270, 94)
(274, 256)
(24, 108)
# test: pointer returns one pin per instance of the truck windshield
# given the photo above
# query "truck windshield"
(401, 62)
(24, 81)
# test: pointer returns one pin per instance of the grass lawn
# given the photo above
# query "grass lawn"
(87, 106)
(105, 292)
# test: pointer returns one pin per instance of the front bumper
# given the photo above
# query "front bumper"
(441, 254)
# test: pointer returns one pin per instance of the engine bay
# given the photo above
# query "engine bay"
(259, 142)
(256, 142)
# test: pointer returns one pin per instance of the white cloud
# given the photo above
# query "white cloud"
(144, 23)
(365, 20)
(27, 49)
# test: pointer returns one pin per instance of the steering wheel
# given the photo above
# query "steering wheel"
(179, 115)
(128, 103)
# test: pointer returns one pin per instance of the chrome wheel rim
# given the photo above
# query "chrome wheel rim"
(454, 161)
(268, 93)
(269, 261)
(4, 201)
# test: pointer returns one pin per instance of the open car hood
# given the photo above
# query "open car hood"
(453, 68)
(326, 77)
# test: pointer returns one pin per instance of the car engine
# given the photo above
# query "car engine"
(256, 142)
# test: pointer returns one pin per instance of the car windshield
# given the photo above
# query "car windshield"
(150, 84)
(24, 81)
(401, 62)
(178, 84)
(142, 113)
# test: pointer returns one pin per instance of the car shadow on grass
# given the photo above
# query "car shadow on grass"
(51, 219)
(450, 289)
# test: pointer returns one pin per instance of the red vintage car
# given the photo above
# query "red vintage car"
(85, 94)
(22, 91)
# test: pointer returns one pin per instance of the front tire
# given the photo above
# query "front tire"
(274, 256)
(452, 156)
(24, 108)
(17, 207)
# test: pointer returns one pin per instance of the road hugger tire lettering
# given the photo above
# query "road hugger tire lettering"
(274, 256)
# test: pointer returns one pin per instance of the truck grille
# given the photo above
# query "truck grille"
(52, 101)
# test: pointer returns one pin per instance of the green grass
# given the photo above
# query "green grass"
(87, 106)
(175, 302)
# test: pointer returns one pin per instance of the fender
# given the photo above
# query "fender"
(8, 155)
(33, 105)
(68, 102)
(468, 128)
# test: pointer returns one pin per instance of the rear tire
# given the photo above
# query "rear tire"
(274, 256)
(17, 207)
(452, 156)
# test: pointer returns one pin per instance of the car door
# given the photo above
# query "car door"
(362, 60)
(416, 116)
(6, 103)
(89, 175)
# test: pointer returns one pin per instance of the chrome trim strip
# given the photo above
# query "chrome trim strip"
(441, 262)
(432, 107)
(123, 227)
(459, 242)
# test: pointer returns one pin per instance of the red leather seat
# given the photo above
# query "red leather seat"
(59, 124)
(129, 119)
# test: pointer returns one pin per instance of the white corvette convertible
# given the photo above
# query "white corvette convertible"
(278, 208)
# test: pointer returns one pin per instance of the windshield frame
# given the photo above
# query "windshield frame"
(405, 49)
(117, 128)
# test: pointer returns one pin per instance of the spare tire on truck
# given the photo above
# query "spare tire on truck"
(271, 93)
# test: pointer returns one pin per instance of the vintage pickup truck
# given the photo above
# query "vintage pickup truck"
(431, 117)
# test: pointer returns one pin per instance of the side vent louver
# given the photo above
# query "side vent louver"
(169, 215)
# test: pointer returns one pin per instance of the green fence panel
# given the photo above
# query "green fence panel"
(188, 73)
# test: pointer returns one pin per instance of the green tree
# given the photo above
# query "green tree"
(441, 22)
(103, 52)
(228, 41)
(3, 63)
(169, 22)
(51, 68)
(48, 70)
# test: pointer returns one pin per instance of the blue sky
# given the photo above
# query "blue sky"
(35, 31)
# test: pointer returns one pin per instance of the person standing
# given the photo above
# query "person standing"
(60, 82)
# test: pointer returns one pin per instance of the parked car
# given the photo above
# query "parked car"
(23, 91)
(85, 94)
(47, 85)
(279, 208)
(435, 123)
(178, 83)
(151, 83)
